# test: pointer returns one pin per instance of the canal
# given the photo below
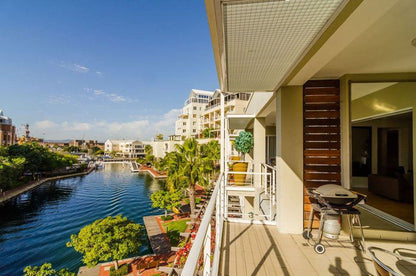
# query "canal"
(35, 226)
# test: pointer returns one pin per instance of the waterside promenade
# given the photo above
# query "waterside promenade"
(5, 196)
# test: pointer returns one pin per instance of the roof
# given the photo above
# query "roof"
(115, 142)
(201, 92)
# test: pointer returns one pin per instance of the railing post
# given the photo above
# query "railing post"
(207, 252)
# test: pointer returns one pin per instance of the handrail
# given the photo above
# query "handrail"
(191, 265)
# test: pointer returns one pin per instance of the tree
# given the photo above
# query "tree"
(111, 238)
(46, 270)
(159, 136)
(244, 143)
(207, 133)
(193, 167)
(148, 149)
(166, 200)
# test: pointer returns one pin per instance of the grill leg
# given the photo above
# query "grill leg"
(321, 227)
(350, 223)
(362, 233)
(310, 222)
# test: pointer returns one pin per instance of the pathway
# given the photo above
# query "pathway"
(157, 238)
(152, 172)
(25, 188)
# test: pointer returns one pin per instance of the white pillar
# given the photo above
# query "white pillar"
(259, 150)
(289, 160)
(222, 133)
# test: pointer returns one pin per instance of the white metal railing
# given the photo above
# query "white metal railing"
(203, 239)
(269, 185)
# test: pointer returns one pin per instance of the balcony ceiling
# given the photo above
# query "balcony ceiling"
(261, 41)
(384, 47)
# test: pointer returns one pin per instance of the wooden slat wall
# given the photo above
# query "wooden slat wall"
(321, 136)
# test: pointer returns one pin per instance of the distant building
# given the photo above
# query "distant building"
(161, 148)
(234, 103)
(125, 148)
(188, 123)
(26, 138)
(7, 131)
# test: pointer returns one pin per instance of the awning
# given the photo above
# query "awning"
(239, 121)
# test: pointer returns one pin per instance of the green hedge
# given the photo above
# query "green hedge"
(121, 271)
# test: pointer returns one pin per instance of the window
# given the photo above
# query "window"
(194, 116)
(183, 131)
(194, 130)
(184, 123)
(194, 107)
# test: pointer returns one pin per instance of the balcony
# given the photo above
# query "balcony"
(224, 247)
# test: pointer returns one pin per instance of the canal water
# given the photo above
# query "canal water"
(35, 227)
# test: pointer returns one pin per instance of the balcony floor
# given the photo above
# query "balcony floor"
(261, 250)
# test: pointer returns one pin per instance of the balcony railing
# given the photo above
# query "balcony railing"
(201, 247)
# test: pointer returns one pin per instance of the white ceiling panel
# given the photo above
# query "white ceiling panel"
(264, 39)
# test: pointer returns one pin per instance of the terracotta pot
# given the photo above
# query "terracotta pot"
(239, 179)
(235, 158)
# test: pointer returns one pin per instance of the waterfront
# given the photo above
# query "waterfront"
(35, 226)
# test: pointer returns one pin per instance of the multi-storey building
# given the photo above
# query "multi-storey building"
(188, 123)
(125, 148)
(234, 103)
(7, 131)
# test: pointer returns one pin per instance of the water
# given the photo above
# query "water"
(35, 227)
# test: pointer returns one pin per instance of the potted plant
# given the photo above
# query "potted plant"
(244, 143)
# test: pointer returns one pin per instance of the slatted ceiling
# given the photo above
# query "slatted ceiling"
(322, 141)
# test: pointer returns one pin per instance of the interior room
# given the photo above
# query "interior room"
(382, 147)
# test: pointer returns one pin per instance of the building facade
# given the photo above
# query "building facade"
(189, 122)
(7, 131)
(234, 103)
(202, 111)
(125, 148)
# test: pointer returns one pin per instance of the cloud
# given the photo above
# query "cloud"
(46, 124)
(169, 119)
(74, 67)
(75, 126)
(112, 97)
(99, 73)
(80, 68)
(143, 129)
(58, 99)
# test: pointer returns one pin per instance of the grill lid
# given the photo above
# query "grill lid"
(332, 190)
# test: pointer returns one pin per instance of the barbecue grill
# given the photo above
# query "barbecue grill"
(332, 201)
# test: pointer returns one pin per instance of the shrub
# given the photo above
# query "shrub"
(244, 143)
(168, 217)
(121, 271)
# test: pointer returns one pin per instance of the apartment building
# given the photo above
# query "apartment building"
(189, 122)
(234, 103)
(125, 148)
(7, 131)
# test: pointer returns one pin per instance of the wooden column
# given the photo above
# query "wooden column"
(321, 136)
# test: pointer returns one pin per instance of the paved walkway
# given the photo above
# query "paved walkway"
(22, 189)
(152, 172)
(157, 238)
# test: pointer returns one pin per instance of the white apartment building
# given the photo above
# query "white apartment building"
(189, 122)
(234, 103)
(125, 148)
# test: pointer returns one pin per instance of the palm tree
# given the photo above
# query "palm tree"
(193, 167)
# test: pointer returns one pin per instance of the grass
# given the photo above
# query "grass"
(173, 230)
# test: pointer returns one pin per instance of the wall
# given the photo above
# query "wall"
(289, 161)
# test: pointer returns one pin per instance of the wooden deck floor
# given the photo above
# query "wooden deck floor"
(261, 250)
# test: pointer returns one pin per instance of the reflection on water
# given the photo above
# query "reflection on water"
(35, 226)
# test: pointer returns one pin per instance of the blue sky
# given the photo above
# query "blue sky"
(102, 69)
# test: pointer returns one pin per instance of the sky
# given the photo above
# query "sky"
(102, 69)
